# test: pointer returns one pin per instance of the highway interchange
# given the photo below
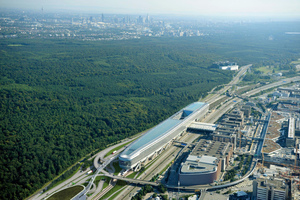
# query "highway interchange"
(168, 155)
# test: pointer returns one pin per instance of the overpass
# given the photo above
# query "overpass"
(201, 126)
(82, 195)
(206, 187)
(131, 180)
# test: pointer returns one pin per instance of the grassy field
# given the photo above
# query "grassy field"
(132, 175)
(117, 168)
(98, 178)
(266, 69)
(67, 194)
(115, 195)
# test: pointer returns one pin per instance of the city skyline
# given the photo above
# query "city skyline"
(257, 8)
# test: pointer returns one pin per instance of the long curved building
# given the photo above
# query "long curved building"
(161, 136)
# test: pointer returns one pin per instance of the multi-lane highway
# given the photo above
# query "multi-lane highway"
(271, 85)
(167, 156)
(214, 97)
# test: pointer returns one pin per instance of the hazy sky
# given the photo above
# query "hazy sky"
(190, 7)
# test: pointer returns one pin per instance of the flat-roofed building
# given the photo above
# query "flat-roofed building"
(161, 136)
(205, 162)
(290, 140)
(268, 189)
(200, 127)
(229, 127)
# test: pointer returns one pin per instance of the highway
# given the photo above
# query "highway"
(129, 191)
(132, 180)
(167, 156)
(77, 177)
(163, 160)
(271, 85)
(212, 98)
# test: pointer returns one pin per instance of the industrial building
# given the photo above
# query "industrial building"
(205, 163)
(196, 127)
(268, 189)
(229, 127)
(227, 65)
(161, 136)
(281, 156)
(290, 140)
(297, 127)
(247, 110)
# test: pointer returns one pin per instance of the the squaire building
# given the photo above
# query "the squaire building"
(158, 138)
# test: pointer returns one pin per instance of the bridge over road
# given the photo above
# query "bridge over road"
(131, 180)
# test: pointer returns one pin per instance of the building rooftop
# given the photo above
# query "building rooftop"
(291, 130)
(211, 148)
(278, 184)
(203, 126)
(270, 146)
(274, 126)
(205, 156)
(199, 164)
(162, 130)
(277, 116)
(214, 196)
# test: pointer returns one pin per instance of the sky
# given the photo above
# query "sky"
(179, 7)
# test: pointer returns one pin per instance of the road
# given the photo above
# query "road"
(210, 119)
(79, 175)
(215, 116)
(212, 98)
(130, 190)
(164, 159)
(272, 85)
(132, 180)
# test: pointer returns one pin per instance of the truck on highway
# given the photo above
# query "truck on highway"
(89, 172)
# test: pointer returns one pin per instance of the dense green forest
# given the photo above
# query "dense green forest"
(62, 99)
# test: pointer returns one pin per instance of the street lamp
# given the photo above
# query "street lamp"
(178, 189)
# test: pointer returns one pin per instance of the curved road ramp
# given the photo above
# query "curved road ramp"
(69, 193)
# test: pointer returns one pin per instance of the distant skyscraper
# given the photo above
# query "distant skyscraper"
(147, 20)
(140, 20)
(102, 18)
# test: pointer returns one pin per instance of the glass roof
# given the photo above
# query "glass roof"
(153, 134)
(194, 106)
(160, 130)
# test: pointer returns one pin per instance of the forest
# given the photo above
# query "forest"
(62, 99)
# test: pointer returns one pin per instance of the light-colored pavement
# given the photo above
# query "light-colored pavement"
(101, 154)
(98, 189)
(210, 118)
(61, 186)
(165, 158)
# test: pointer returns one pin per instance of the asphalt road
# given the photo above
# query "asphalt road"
(210, 119)
(79, 175)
